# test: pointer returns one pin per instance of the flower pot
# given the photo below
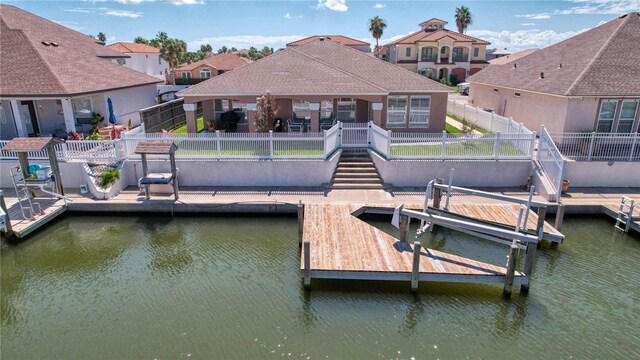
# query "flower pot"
(565, 185)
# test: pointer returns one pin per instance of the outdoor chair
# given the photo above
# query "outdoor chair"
(294, 126)
(327, 123)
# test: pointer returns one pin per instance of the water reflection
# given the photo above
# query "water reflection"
(415, 311)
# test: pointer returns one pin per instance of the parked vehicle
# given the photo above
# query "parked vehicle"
(464, 88)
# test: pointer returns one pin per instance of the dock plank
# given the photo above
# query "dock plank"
(343, 246)
(22, 227)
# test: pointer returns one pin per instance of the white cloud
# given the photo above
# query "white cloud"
(71, 25)
(528, 24)
(379, 6)
(123, 13)
(111, 38)
(384, 41)
(78, 10)
(174, 2)
(244, 41)
(287, 16)
(591, 7)
(522, 39)
(335, 5)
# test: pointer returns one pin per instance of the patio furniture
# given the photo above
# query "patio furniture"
(327, 123)
(295, 126)
(229, 120)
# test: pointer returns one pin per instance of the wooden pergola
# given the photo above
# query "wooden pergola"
(145, 148)
(23, 146)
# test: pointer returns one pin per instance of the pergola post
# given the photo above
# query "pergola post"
(190, 116)
(55, 169)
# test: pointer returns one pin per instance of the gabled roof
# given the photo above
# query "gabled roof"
(128, 47)
(434, 21)
(600, 62)
(223, 62)
(42, 58)
(316, 68)
(341, 39)
(511, 57)
(435, 35)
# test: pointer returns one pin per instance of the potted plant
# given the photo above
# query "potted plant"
(211, 125)
(565, 185)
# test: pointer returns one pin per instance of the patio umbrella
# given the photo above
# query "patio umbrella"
(112, 118)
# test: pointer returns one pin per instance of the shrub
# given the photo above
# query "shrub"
(108, 178)
(453, 80)
(94, 136)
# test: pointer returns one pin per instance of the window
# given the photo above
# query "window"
(326, 109)
(205, 73)
(219, 106)
(627, 116)
(241, 109)
(443, 50)
(606, 115)
(495, 90)
(408, 52)
(82, 108)
(427, 54)
(346, 110)
(516, 94)
(396, 111)
(121, 61)
(476, 52)
(186, 75)
(419, 116)
(146, 56)
(301, 109)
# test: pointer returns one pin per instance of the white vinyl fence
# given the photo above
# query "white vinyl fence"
(598, 146)
(551, 160)
(487, 120)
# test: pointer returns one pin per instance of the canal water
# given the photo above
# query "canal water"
(142, 287)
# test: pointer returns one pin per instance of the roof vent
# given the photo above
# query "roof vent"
(515, 66)
(45, 43)
(321, 39)
(560, 67)
(54, 44)
(542, 75)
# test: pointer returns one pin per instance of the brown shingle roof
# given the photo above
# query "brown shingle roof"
(156, 147)
(600, 62)
(341, 39)
(21, 144)
(435, 35)
(71, 64)
(224, 62)
(512, 57)
(128, 47)
(316, 68)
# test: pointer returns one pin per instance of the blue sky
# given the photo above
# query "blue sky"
(506, 24)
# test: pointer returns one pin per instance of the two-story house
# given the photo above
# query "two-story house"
(438, 53)
(210, 67)
(142, 57)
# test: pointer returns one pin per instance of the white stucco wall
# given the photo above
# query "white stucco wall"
(467, 173)
(72, 173)
(150, 64)
(126, 103)
(603, 173)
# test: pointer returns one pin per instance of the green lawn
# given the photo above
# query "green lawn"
(475, 127)
(470, 148)
(249, 148)
(452, 129)
(183, 129)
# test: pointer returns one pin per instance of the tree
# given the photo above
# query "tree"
(173, 51)
(233, 49)
(101, 36)
(205, 48)
(463, 18)
(140, 40)
(161, 37)
(266, 51)
(266, 111)
(376, 27)
(223, 50)
(253, 54)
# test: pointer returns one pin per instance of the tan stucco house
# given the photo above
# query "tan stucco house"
(324, 79)
(340, 39)
(590, 82)
(437, 53)
(211, 66)
(52, 78)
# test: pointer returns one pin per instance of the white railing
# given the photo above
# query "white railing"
(461, 146)
(331, 140)
(552, 162)
(380, 140)
(598, 146)
(486, 120)
(354, 134)
(100, 151)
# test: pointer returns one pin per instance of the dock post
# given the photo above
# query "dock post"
(559, 216)
(437, 193)
(511, 269)
(300, 221)
(307, 264)
(446, 203)
(404, 228)
(3, 206)
(529, 260)
(415, 271)
(542, 213)
(145, 171)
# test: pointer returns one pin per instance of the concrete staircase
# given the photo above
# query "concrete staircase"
(356, 171)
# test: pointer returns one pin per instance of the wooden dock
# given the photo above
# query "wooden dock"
(611, 210)
(341, 246)
(21, 227)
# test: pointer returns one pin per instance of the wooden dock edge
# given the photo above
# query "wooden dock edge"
(519, 279)
(40, 222)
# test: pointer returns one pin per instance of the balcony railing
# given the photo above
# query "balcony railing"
(461, 58)
(431, 58)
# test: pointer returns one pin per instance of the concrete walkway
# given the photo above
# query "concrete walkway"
(458, 125)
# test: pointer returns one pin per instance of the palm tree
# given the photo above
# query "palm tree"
(376, 27)
(205, 48)
(140, 40)
(223, 50)
(173, 51)
(102, 37)
(463, 18)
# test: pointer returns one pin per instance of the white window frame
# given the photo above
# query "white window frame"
(417, 115)
(407, 52)
(476, 52)
(326, 109)
(301, 108)
(237, 104)
(605, 120)
(391, 110)
(351, 112)
(204, 71)
(629, 121)
(76, 110)
(186, 75)
(217, 111)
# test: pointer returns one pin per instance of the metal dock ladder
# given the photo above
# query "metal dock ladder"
(625, 214)
(24, 197)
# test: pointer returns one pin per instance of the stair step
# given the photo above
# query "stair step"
(356, 170)
(356, 164)
(356, 175)
(357, 186)
(355, 158)
(370, 180)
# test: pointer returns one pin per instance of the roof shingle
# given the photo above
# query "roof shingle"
(224, 62)
(340, 39)
(128, 47)
(435, 35)
(600, 62)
